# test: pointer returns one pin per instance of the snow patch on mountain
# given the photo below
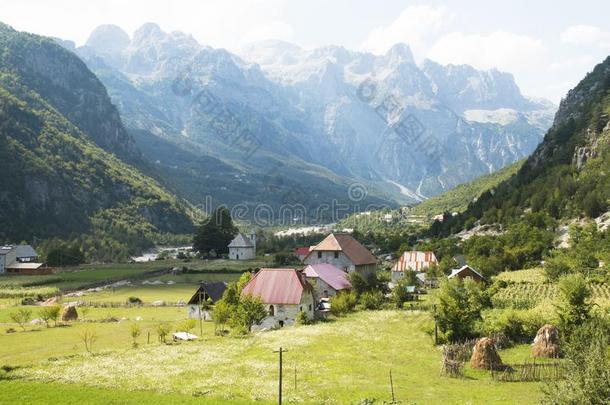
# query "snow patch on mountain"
(501, 116)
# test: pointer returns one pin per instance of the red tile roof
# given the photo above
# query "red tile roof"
(277, 286)
(301, 251)
(332, 275)
(354, 250)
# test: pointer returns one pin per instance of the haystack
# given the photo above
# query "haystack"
(69, 313)
(485, 355)
(546, 342)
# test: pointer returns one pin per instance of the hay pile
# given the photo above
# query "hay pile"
(485, 355)
(546, 342)
(69, 313)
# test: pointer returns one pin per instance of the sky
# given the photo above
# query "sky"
(547, 45)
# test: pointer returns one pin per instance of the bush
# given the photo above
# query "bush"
(186, 326)
(372, 300)
(302, 318)
(574, 306)
(459, 308)
(163, 329)
(21, 317)
(343, 303)
(249, 311)
(518, 326)
(134, 301)
(587, 367)
(556, 267)
(284, 258)
(50, 313)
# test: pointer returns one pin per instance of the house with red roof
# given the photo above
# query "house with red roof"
(301, 252)
(285, 293)
(343, 251)
(327, 280)
(413, 261)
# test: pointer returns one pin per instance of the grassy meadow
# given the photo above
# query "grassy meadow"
(345, 360)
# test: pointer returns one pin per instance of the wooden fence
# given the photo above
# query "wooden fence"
(530, 372)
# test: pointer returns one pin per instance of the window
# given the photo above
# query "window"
(336, 254)
(310, 307)
(319, 255)
(271, 310)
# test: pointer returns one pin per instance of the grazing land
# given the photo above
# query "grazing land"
(245, 369)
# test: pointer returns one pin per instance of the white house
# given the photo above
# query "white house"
(343, 251)
(285, 293)
(413, 261)
(243, 247)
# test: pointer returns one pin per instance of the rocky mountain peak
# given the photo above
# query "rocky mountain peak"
(108, 39)
(399, 54)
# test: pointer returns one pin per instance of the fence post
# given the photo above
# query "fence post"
(392, 387)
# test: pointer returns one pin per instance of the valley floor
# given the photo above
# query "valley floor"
(337, 362)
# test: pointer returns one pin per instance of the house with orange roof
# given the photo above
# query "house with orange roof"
(344, 251)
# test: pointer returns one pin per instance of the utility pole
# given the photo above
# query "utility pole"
(392, 387)
(281, 351)
(435, 327)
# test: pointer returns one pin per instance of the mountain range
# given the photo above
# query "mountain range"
(68, 164)
(566, 177)
(277, 118)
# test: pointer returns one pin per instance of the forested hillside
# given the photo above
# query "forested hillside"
(63, 150)
(567, 176)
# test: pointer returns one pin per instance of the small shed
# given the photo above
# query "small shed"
(207, 292)
(466, 272)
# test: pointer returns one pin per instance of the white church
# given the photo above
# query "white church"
(243, 247)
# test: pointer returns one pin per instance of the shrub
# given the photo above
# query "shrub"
(50, 313)
(221, 314)
(372, 300)
(574, 306)
(343, 303)
(134, 301)
(163, 329)
(135, 331)
(21, 317)
(302, 318)
(518, 326)
(400, 295)
(460, 304)
(587, 367)
(186, 326)
(556, 267)
(248, 312)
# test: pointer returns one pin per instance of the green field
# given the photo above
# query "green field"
(529, 288)
(336, 362)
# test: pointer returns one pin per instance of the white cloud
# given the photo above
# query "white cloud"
(273, 30)
(218, 23)
(502, 50)
(585, 34)
(415, 26)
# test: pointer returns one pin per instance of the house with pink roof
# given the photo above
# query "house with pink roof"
(327, 280)
(285, 293)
